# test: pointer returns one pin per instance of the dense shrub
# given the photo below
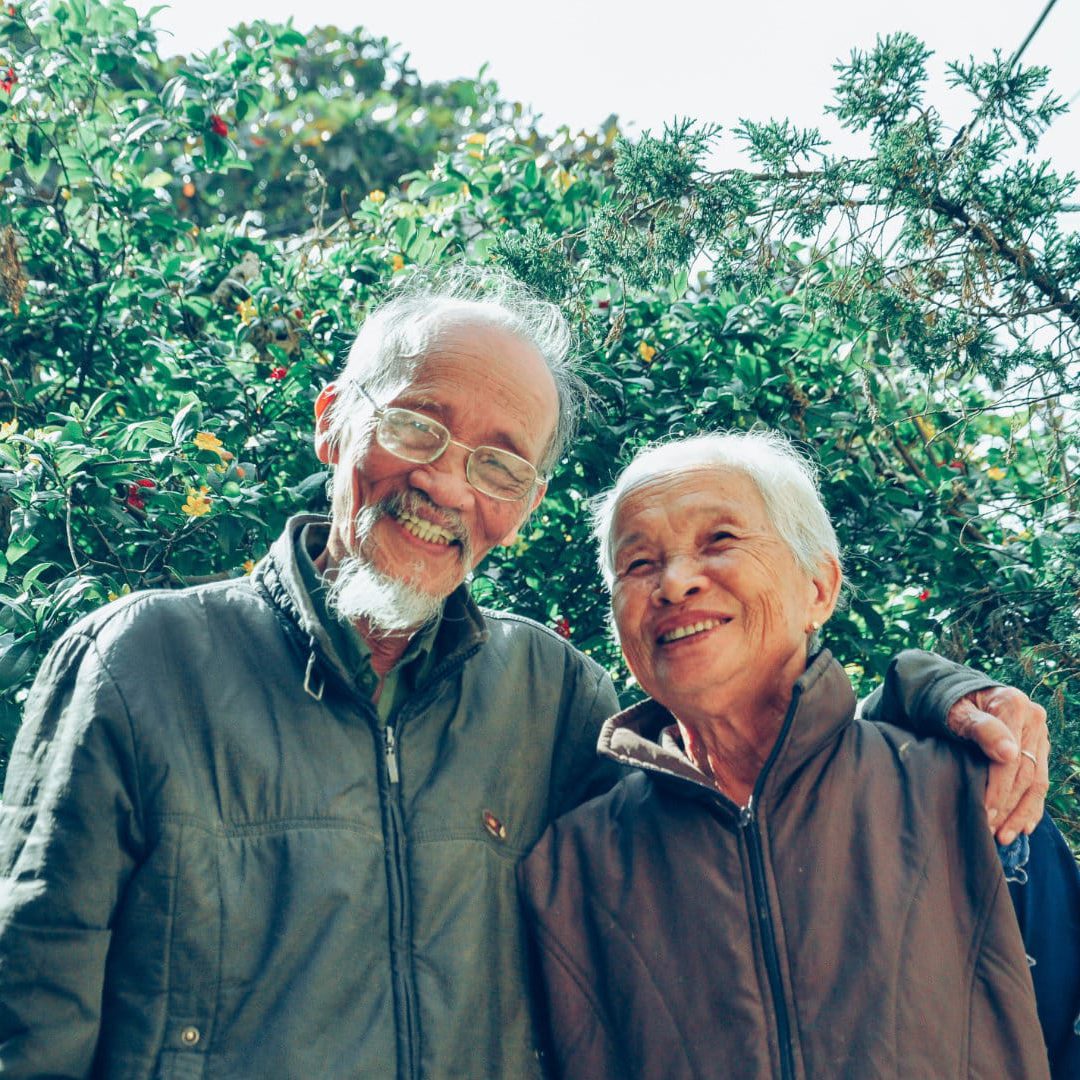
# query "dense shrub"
(187, 247)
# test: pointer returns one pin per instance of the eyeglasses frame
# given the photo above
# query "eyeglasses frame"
(381, 410)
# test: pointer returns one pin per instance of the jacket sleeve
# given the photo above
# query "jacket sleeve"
(1045, 890)
(918, 691)
(579, 773)
(69, 840)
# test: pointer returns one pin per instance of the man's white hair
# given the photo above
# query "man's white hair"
(785, 479)
(397, 335)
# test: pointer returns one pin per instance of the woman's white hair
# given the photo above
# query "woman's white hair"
(786, 480)
(401, 331)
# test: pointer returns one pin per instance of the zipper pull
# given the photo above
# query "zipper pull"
(746, 813)
(391, 755)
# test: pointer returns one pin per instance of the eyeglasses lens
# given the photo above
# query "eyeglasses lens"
(411, 436)
(415, 437)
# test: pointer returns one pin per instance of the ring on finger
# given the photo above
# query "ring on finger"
(1031, 757)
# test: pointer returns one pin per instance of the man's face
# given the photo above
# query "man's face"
(424, 525)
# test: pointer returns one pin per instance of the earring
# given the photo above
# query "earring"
(815, 626)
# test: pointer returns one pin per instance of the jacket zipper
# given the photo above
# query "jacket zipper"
(391, 755)
(749, 826)
(400, 913)
(398, 889)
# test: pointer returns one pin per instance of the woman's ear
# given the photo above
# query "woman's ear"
(824, 589)
(325, 448)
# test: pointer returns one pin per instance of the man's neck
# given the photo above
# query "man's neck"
(386, 649)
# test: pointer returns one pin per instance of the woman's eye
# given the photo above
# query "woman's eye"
(720, 537)
(637, 565)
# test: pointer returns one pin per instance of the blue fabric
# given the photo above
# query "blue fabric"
(1044, 883)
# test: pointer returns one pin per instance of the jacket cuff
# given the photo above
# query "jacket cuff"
(919, 690)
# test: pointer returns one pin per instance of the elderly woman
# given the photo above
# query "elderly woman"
(778, 889)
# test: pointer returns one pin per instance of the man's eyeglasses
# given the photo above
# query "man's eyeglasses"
(414, 437)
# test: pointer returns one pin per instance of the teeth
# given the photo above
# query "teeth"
(425, 530)
(689, 631)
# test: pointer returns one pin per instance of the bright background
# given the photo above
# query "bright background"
(577, 62)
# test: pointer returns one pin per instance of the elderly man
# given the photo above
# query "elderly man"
(269, 827)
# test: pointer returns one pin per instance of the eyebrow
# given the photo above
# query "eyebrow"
(704, 518)
(418, 399)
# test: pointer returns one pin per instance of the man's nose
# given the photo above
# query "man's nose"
(444, 481)
(680, 578)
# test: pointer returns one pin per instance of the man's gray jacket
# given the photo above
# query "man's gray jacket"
(215, 862)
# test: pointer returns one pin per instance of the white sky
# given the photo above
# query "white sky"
(577, 62)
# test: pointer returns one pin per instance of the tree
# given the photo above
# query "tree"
(177, 293)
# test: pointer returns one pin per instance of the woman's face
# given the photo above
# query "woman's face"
(711, 607)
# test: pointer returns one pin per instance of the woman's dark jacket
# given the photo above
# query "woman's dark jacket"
(851, 921)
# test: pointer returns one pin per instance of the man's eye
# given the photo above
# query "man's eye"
(637, 566)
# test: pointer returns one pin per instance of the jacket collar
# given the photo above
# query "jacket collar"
(822, 705)
(461, 630)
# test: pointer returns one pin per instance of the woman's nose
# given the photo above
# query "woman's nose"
(680, 578)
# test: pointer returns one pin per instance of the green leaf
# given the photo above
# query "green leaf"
(18, 547)
(143, 126)
(156, 179)
(439, 188)
(16, 660)
(186, 422)
(290, 37)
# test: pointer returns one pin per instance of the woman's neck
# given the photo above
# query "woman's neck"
(731, 748)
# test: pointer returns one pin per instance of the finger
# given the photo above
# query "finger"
(1029, 808)
(992, 734)
(1002, 777)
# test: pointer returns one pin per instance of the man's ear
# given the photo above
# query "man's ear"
(534, 502)
(325, 448)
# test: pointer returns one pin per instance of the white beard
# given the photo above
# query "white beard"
(360, 592)
(388, 605)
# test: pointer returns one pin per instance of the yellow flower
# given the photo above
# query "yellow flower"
(125, 590)
(397, 262)
(563, 180)
(377, 196)
(466, 190)
(646, 352)
(9, 427)
(477, 138)
(323, 359)
(247, 311)
(204, 440)
(996, 473)
(478, 154)
(248, 565)
(220, 467)
(198, 502)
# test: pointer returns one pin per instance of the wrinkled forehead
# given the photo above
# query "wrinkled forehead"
(681, 497)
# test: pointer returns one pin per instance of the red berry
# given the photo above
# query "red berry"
(218, 126)
(279, 373)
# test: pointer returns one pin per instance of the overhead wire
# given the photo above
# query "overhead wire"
(1032, 32)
